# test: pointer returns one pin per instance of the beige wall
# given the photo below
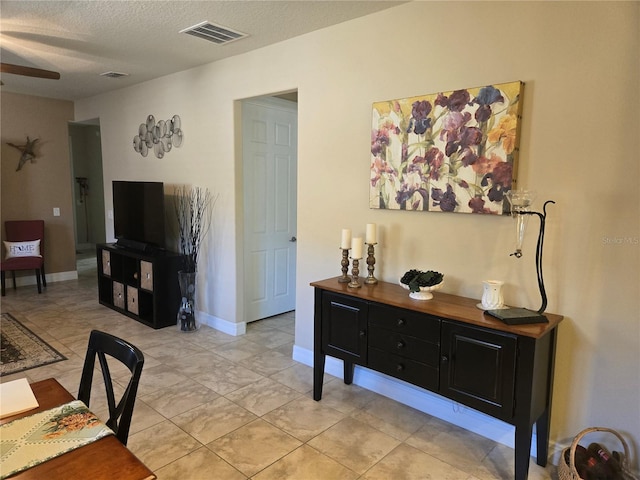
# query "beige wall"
(38, 187)
(579, 61)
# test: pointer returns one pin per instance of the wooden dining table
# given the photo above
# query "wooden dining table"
(103, 459)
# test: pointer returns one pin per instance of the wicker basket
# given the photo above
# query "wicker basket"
(569, 472)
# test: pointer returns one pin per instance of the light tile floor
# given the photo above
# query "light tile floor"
(211, 405)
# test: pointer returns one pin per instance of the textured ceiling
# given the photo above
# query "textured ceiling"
(82, 39)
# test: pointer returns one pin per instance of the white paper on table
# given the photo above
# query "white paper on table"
(16, 397)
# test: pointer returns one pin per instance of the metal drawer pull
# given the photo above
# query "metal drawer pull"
(363, 333)
(401, 322)
(399, 367)
(400, 344)
(444, 359)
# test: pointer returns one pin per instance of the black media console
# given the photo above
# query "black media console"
(140, 284)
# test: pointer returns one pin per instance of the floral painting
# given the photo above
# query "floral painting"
(446, 152)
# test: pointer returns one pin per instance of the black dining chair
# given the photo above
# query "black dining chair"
(103, 344)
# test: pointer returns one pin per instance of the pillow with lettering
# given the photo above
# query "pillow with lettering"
(22, 249)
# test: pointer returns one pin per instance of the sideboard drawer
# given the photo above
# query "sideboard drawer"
(404, 345)
(405, 321)
(417, 373)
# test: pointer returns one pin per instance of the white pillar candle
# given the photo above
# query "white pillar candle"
(356, 247)
(346, 239)
(371, 233)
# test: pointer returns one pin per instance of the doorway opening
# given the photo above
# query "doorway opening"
(269, 166)
(85, 152)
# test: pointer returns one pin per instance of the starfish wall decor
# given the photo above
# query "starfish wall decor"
(28, 153)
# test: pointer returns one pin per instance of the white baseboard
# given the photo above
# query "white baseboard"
(427, 402)
(61, 276)
(224, 326)
(26, 280)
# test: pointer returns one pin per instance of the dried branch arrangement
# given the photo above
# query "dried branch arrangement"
(193, 209)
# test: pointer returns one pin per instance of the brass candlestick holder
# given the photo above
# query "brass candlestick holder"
(354, 283)
(345, 266)
(371, 261)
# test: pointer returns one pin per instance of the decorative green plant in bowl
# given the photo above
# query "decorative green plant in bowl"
(421, 283)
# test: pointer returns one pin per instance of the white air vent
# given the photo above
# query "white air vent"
(114, 74)
(214, 33)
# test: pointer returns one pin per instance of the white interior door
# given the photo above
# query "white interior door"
(270, 144)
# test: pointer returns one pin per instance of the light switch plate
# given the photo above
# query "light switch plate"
(56, 212)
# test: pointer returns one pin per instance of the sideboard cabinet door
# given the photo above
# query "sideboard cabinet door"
(344, 328)
(477, 368)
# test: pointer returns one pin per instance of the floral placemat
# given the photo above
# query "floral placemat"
(29, 441)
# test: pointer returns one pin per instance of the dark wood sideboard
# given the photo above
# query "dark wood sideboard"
(445, 345)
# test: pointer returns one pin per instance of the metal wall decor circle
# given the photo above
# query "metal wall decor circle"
(159, 137)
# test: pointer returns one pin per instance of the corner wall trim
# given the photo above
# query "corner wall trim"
(224, 326)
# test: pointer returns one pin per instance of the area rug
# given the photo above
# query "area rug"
(21, 349)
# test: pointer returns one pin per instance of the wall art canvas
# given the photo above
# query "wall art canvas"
(447, 152)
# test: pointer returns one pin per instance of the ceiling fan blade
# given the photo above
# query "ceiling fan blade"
(28, 71)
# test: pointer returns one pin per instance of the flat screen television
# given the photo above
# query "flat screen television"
(138, 214)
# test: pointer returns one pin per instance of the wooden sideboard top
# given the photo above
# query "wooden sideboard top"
(442, 305)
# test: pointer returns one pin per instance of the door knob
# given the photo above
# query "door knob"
(293, 239)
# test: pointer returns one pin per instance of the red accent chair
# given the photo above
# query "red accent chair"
(24, 231)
